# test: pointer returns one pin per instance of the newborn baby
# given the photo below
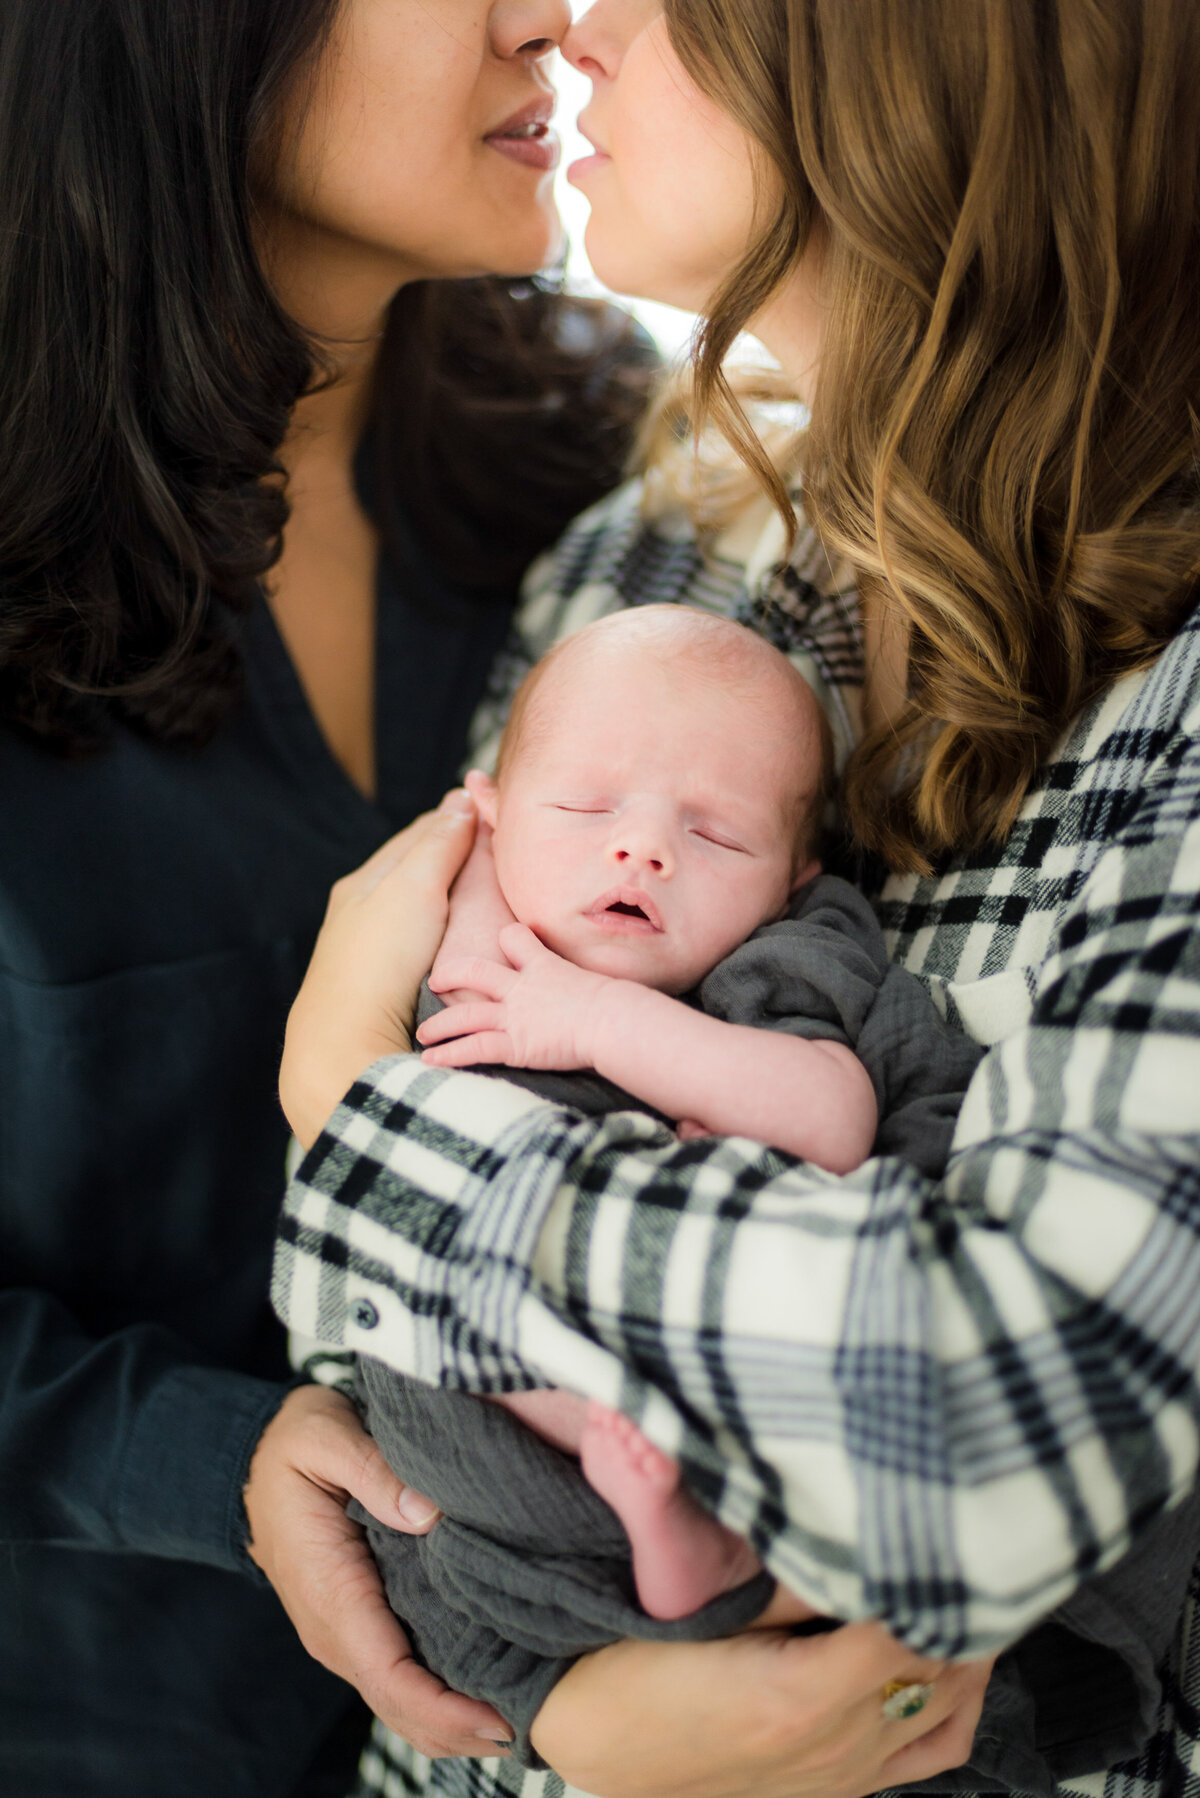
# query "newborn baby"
(645, 905)
(658, 798)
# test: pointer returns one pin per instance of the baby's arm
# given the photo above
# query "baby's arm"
(813, 1099)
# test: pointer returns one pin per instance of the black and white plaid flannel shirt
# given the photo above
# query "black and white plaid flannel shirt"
(943, 1404)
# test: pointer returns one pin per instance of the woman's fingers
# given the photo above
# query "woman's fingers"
(422, 847)
(780, 1716)
(854, 1662)
(958, 1701)
(312, 1457)
(380, 935)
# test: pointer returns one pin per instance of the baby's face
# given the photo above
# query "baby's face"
(647, 826)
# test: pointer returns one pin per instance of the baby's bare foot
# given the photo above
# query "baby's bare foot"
(682, 1557)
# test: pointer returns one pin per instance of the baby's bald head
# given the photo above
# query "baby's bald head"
(720, 663)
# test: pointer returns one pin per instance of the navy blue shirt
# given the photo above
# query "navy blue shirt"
(157, 910)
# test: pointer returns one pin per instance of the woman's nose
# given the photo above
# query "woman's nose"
(529, 27)
(591, 45)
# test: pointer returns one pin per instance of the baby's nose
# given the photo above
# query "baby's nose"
(640, 859)
(638, 844)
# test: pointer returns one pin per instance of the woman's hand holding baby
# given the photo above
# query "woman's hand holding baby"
(381, 932)
(539, 1011)
(766, 1712)
(311, 1458)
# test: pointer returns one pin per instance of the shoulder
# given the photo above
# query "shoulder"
(832, 903)
(1123, 784)
(824, 961)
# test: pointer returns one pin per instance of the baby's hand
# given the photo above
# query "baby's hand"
(536, 1013)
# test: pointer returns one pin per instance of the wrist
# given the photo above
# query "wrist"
(611, 1016)
(312, 1086)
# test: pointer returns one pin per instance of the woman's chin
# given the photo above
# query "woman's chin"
(616, 269)
(537, 247)
(525, 253)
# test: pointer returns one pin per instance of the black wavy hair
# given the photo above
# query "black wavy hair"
(147, 372)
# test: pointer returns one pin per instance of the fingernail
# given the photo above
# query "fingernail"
(485, 1735)
(415, 1509)
(458, 800)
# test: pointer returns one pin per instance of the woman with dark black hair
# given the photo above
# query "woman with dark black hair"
(268, 482)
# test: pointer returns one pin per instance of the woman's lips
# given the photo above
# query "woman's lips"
(541, 150)
(528, 138)
(585, 166)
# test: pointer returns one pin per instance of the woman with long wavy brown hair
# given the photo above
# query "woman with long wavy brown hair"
(969, 232)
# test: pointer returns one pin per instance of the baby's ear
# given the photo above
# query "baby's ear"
(802, 876)
(484, 792)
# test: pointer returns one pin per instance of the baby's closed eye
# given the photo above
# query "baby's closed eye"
(709, 835)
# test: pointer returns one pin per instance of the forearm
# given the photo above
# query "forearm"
(828, 1321)
(812, 1099)
(123, 1443)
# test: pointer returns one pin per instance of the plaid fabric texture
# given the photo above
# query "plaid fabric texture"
(939, 1403)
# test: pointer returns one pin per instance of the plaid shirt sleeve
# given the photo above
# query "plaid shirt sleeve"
(942, 1404)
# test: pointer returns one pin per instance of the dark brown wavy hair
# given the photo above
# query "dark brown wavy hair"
(1004, 432)
(147, 373)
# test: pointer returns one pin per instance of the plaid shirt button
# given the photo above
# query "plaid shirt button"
(364, 1314)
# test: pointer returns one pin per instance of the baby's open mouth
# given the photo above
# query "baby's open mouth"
(626, 908)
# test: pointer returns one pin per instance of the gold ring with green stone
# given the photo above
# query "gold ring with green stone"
(903, 1698)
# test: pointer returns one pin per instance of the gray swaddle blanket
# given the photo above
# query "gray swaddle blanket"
(530, 1568)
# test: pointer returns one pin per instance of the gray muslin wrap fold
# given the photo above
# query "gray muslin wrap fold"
(528, 1568)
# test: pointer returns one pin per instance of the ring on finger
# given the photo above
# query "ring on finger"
(904, 1698)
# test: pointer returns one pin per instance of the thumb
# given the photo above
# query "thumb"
(519, 945)
(435, 847)
(384, 1494)
(451, 832)
(457, 803)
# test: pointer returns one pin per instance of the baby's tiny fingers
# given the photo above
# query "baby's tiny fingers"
(521, 945)
(473, 972)
(458, 1020)
(490, 1046)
